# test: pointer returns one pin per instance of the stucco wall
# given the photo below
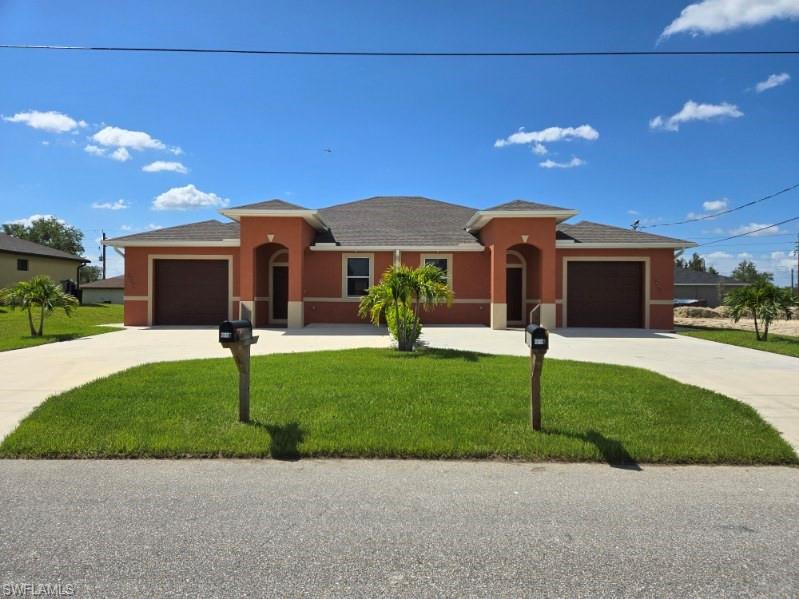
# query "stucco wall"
(57, 269)
(93, 295)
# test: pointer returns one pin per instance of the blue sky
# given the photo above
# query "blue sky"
(248, 128)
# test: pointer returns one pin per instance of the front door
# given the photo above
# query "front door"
(513, 295)
(280, 293)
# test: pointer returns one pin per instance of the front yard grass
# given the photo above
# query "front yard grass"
(384, 404)
(776, 344)
(14, 331)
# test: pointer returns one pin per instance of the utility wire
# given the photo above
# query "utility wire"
(407, 54)
(721, 212)
(790, 220)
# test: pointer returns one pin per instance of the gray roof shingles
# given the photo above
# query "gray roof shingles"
(207, 230)
(683, 276)
(269, 205)
(15, 245)
(520, 205)
(588, 232)
(401, 221)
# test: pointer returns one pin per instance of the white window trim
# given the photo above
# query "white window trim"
(450, 264)
(344, 277)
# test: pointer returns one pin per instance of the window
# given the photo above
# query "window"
(22, 264)
(442, 261)
(357, 275)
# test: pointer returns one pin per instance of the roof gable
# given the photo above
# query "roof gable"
(522, 205)
(208, 231)
(590, 232)
(275, 204)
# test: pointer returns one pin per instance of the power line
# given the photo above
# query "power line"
(406, 54)
(752, 232)
(722, 212)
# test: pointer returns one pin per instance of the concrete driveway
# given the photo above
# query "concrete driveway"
(768, 382)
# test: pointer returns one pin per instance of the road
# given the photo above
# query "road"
(398, 528)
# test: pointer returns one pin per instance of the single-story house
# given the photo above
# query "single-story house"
(704, 286)
(277, 263)
(104, 291)
(21, 259)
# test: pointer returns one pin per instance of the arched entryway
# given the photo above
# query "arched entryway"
(271, 285)
(522, 283)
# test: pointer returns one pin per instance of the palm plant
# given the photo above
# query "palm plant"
(39, 291)
(764, 301)
(400, 296)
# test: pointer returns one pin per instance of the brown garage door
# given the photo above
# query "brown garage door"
(605, 294)
(190, 291)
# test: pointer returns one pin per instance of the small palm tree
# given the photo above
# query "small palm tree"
(39, 291)
(400, 296)
(764, 301)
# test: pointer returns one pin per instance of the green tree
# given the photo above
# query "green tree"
(39, 291)
(400, 296)
(50, 232)
(90, 273)
(747, 272)
(696, 263)
(764, 302)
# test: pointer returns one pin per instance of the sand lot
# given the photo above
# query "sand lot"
(778, 327)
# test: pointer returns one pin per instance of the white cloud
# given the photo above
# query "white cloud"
(633, 212)
(94, 150)
(125, 138)
(125, 228)
(32, 218)
(773, 80)
(153, 227)
(118, 205)
(176, 150)
(570, 164)
(754, 227)
(50, 121)
(715, 205)
(716, 16)
(120, 155)
(164, 165)
(187, 198)
(548, 135)
(693, 111)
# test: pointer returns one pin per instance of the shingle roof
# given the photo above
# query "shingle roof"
(207, 230)
(683, 276)
(269, 205)
(397, 220)
(109, 283)
(15, 245)
(523, 205)
(588, 232)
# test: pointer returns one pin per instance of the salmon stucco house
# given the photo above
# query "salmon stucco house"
(281, 264)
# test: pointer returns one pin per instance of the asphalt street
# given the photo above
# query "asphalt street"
(397, 528)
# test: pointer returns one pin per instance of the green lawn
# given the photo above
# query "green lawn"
(788, 346)
(380, 403)
(14, 331)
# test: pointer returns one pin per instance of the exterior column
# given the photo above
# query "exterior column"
(548, 287)
(295, 317)
(246, 282)
(499, 306)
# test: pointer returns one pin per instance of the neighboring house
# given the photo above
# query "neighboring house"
(703, 286)
(104, 291)
(281, 264)
(21, 259)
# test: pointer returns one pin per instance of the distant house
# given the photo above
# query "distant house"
(104, 291)
(21, 259)
(703, 286)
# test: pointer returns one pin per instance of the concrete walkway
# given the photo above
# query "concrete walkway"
(768, 382)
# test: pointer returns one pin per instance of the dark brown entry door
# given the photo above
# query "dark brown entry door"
(605, 294)
(280, 292)
(513, 295)
(190, 292)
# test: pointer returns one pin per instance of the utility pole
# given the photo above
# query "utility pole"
(796, 255)
(104, 238)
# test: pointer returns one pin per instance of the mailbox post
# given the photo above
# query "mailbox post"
(537, 339)
(237, 336)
